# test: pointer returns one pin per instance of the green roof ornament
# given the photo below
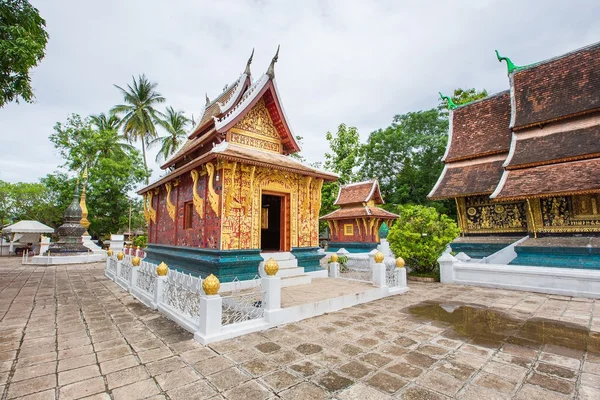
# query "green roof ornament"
(509, 64)
(451, 105)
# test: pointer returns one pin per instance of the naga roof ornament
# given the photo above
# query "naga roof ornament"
(247, 70)
(449, 102)
(207, 101)
(509, 64)
(271, 71)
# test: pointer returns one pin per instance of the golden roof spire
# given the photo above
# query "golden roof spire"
(271, 70)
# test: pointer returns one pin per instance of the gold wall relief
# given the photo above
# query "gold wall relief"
(331, 232)
(213, 197)
(365, 225)
(198, 201)
(586, 206)
(146, 212)
(151, 210)
(171, 208)
(479, 214)
(258, 120)
(358, 226)
(371, 224)
(230, 187)
(565, 214)
(335, 225)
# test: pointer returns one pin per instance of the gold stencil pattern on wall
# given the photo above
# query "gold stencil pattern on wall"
(198, 201)
(146, 212)
(151, 210)
(213, 197)
(259, 121)
(170, 206)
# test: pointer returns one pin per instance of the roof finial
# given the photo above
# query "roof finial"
(271, 70)
(509, 64)
(247, 71)
(207, 99)
(449, 102)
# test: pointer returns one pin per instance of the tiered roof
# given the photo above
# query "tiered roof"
(359, 200)
(207, 140)
(478, 144)
(556, 123)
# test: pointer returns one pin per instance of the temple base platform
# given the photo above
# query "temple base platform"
(352, 247)
(560, 252)
(481, 246)
(299, 265)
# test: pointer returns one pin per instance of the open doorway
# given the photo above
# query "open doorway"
(272, 232)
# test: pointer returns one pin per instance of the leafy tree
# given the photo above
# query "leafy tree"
(27, 201)
(175, 123)
(23, 41)
(298, 156)
(138, 114)
(114, 170)
(345, 153)
(420, 236)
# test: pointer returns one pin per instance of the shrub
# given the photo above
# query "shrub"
(141, 241)
(420, 236)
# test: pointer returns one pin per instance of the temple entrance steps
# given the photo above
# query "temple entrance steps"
(289, 271)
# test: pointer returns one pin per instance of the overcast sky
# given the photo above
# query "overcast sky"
(357, 62)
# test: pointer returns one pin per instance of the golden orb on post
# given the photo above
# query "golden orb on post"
(211, 285)
(271, 267)
(379, 257)
(162, 269)
(120, 256)
(334, 257)
(400, 262)
(135, 261)
(110, 252)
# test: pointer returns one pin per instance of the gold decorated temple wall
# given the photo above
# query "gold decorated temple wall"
(481, 215)
(256, 130)
(243, 186)
(566, 214)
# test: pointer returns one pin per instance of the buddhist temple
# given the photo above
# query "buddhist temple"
(527, 162)
(233, 193)
(355, 225)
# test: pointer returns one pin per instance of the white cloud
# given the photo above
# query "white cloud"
(355, 62)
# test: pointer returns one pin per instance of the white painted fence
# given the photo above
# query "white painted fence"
(238, 307)
(552, 280)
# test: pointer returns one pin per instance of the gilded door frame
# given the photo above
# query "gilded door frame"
(285, 228)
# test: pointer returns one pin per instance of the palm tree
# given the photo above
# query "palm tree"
(175, 124)
(138, 113)
(109, 143)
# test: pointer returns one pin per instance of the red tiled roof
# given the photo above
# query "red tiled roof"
(467, 180)
(554, 179)
(360, 192)
(566, 145)
(480, 128)
(359, 212)
(556, 88)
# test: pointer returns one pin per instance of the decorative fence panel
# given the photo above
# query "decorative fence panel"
(242, 305)
(144, 287)
(111, 267)
(363, 275)
(391, 276)
(181, 299)
(123, 277)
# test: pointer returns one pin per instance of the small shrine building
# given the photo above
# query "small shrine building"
(355, 225)
(527, 162)
(232, 191)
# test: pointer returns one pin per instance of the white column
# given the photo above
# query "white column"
(447, 262)
(401, 277)
(159, 287)
(118, 272)
(372, 258)
(211, 309)
(107, 263)
(379, 275)
(134, 278)
(334, 270)
(272, 287)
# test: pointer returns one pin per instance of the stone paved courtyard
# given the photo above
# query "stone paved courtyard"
(69, 333)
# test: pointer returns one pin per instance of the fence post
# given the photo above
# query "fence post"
(446, 262)
(372, 257)
(135, 267)
(161, 278)
(211, 308)
(379, 270)
(120, 257)
(334, 266)
(271, 286)
(400, 272)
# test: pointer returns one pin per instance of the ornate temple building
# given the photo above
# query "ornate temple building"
(527, 162)
(355, 226)
(232, 192)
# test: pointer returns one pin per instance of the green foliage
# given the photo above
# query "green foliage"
(342, 260)
(461, 97)
(138, 113)
(345, 153)
(114, 169)
(23, 41)
(141, 241)
(420, 236)
(175, 123)
(28, 201)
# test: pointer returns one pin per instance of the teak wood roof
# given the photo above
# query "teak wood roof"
(563, 86)
(468, 180)
(360, 192)
(359, 212)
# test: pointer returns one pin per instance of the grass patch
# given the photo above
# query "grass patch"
(431, 274)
